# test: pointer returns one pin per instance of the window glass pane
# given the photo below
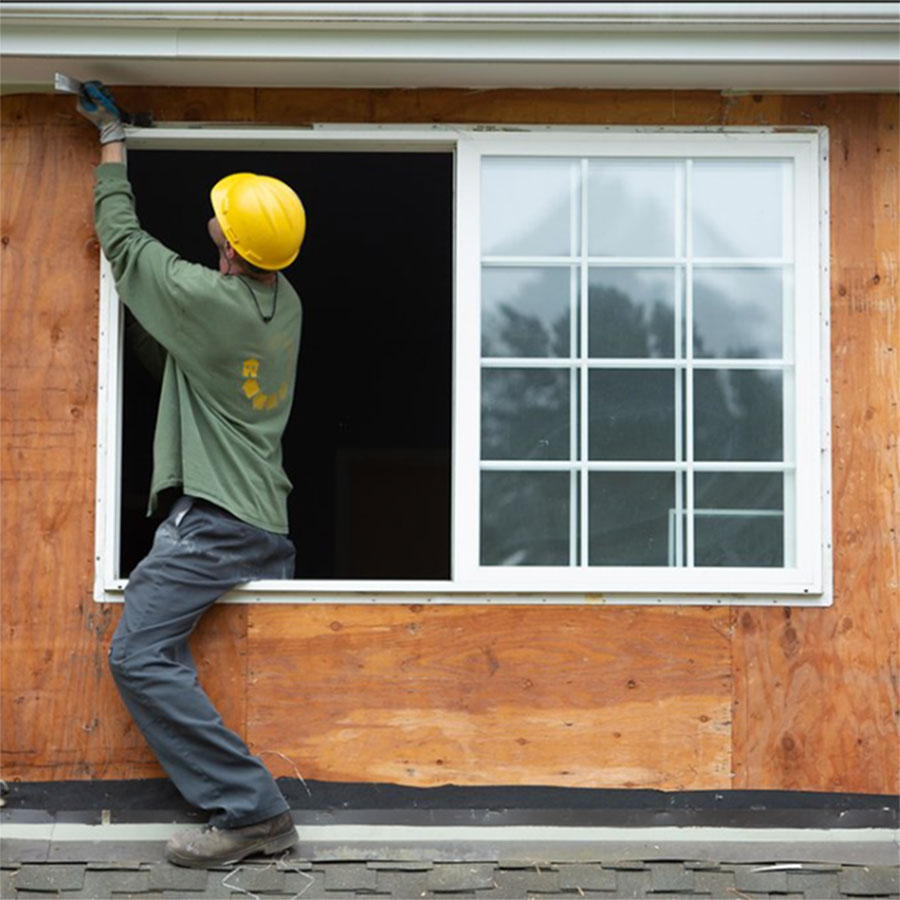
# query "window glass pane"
(631, 518)
(612, 402)
(738, 313)
(739, 519)
(526, 311)
(632, 414)
(525, 413)
(525, 518)
(737, 207)
(527, 206)
(632, 313)
(631, 207)
(738, 415)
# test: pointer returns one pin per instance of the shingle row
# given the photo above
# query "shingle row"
(504, 880)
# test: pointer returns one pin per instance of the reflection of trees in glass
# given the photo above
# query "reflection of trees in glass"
(738, 313)
(525, 413)
(632, 414)
(619, 327)
(525, 518)
(732, 540)
(508, 332)
(737, 416)
(629, 521)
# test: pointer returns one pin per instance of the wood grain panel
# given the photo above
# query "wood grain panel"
(581, 107)
(603, 697)
(62, 717)
(564, 696)
(816, 690)
(47, 402)
(192, 104)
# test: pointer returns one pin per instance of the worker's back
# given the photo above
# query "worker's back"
(228, 384)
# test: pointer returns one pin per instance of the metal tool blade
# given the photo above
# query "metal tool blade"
(66, 84)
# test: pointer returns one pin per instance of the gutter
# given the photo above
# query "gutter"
(706, 16)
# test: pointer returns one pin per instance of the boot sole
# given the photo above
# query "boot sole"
(268, 846)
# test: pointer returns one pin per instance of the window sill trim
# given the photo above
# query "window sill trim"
(446, 593)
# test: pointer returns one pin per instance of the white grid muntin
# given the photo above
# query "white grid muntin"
(583, 480)
(807, 583)
(680, 263)
(688, 350)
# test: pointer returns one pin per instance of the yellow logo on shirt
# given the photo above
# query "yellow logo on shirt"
(260, 399)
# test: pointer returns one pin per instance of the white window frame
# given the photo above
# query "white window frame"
(808, 583)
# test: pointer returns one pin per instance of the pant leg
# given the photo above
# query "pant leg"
(199, 552)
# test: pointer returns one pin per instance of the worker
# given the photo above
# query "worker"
(232, 339)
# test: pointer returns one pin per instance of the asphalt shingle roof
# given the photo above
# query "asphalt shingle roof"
(83, 846)
(289, 878)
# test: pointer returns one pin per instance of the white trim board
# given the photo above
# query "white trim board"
(69, 831)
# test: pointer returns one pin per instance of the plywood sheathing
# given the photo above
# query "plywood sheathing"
(816, 692)
(575, 696)
(667, 698)
(60, 712)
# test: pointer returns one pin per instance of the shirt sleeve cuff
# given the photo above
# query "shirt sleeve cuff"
(112, 170)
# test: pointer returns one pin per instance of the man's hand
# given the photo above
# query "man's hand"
(99, 107)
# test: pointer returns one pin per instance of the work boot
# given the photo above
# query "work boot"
(212, 846)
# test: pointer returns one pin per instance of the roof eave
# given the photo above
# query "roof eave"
(730, 46)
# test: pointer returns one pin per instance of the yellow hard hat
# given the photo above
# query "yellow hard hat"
(262, 218)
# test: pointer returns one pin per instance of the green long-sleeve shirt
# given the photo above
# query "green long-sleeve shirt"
(228, 381)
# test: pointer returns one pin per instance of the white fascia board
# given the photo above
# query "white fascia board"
(569, 47)
(36, 75)
(769, 46)
(445, 46)
(119, 42)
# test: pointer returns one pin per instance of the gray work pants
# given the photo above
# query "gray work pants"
(199, 552)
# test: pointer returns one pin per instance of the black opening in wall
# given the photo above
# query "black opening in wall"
(368, 444)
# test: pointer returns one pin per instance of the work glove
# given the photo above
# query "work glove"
(97, 105)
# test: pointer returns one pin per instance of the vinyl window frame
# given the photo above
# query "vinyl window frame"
(808, 583)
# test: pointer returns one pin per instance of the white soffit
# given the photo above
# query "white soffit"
(720, 46)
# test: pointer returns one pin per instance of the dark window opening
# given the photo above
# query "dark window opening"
(368, 444)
